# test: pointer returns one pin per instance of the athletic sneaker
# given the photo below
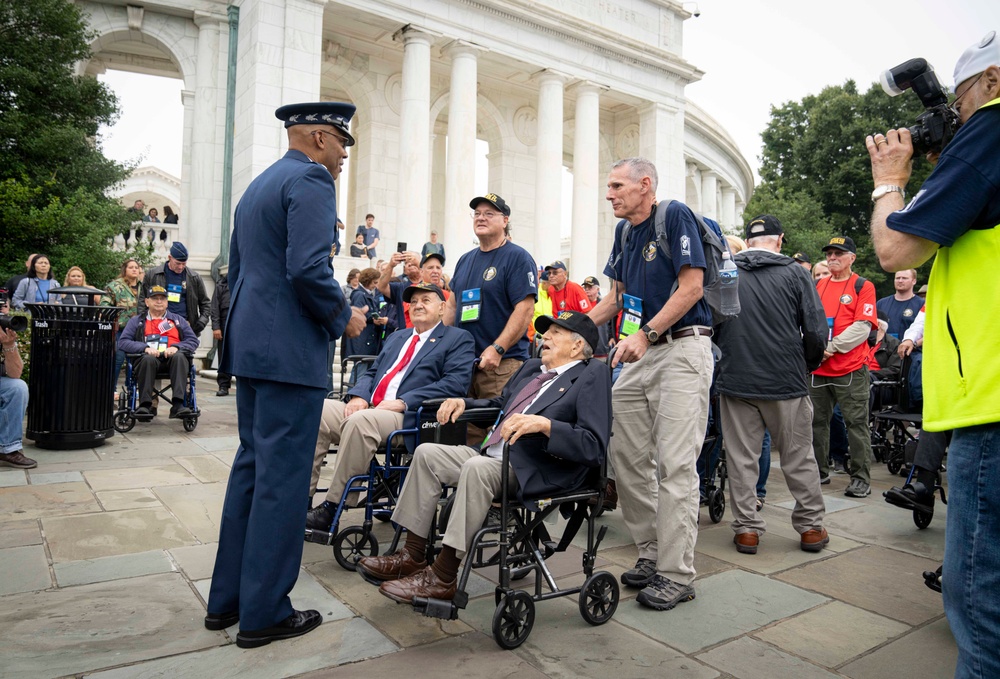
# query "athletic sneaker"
(663, 594)
(641, 575)
(858, 488)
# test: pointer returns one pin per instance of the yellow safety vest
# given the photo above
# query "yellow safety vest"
(961, 369)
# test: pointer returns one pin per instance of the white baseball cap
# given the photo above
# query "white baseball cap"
(977, 59)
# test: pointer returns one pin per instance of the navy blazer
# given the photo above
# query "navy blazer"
(441, 369)
(578, 404)
(284, 304)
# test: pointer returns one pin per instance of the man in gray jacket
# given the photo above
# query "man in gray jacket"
(767, 352)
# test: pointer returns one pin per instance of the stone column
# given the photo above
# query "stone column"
(414, 133)
(460, 177)
(548, 168)
(661, 140)
(439, 159)
(184, 224)
(709, 194)
(728, 220)
(586, 184)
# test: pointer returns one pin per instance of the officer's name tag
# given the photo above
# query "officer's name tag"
(631, 316)
(470, 305)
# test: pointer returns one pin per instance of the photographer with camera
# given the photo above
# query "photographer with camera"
(956, 215)
(13, 391)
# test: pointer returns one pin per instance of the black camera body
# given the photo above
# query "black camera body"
(15, 323)
(938, 124)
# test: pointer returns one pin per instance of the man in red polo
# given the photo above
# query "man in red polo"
(564, 293)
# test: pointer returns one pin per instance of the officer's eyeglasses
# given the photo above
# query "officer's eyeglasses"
(485, 215)
(331, 133)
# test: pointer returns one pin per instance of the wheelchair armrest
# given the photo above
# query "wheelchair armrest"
(479, 415)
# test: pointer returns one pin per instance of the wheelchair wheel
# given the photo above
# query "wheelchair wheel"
(352, 544)
(190, 423)
(124, 422)
(894, 464)
(716, 504)
(599, 598)
(923, 519)
(513, 620)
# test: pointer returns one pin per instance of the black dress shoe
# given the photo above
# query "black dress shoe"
(220, 621)
(320, 518)
(222, 392)
(295, 625)
(911, 496)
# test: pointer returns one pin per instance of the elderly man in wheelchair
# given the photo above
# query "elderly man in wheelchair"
(162, 339)
(431, 361)
(556, 418)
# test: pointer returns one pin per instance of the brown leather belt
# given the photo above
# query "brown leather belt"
(690, 331)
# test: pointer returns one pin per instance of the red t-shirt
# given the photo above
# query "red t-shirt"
(843, 306)
(160, 329)
(571, 298)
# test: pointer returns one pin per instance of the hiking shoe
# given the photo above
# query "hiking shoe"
(641, 575)
(858, 488)
(663, 594)
(824, 479)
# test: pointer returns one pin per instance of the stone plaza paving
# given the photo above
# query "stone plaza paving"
(106, 557)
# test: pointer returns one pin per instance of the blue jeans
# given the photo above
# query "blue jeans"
(13, 405)
(765, 465)
(971, 577)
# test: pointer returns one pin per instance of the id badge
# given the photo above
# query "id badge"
(471, 300)
(153, 342)
(829, 325)
(174, 292)
(631, 316)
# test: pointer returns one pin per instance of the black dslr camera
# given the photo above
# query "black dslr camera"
(937, 125)
(15, 323)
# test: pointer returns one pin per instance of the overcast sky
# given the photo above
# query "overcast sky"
(755, 54)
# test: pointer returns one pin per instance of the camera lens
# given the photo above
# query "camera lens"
(15, 323)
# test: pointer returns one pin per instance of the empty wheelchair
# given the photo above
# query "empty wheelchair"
(894, 418)
(126, 417)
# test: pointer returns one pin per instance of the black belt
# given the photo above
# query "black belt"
(690, 331)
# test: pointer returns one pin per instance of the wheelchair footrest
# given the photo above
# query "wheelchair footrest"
(435, 608)
(320, 537)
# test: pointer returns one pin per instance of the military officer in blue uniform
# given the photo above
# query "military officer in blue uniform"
(285, 308)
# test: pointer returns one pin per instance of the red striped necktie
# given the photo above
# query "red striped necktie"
(383, 384)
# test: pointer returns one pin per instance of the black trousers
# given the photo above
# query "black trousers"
(931, 447)
(145, 375)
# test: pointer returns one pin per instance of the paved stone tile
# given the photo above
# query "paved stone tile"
(197, 561)
(205, 468)
(560, 565)
(332, 643)
(782, 525)
(54, 477)
(198, 507)
(14, 477)
(78, 629)
(226, 456)
(397, 621)
(20, 534)
(100, 465)
(728, 604)
(927, 652)
(750, 659)
(148, 446)
(46, 457)
(882, 524)
(25, 569)
(832, 634)
(137, 498)
(834, 503)
(148, 477)
(57, 499)
(775, 553)
(217, 444)
(90, 536)
(108, 568)
(470, 656)
(880, 580)
(626, 557)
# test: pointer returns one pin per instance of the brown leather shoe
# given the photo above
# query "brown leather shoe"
(423, 583)
(746, 543)
(379, 569)
(610, 497)
(814, 540)
(17, 460)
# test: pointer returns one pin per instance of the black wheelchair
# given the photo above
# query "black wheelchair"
(125, 415)
(711, 465)
(893, 417)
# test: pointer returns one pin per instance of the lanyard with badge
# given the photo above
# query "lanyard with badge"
(472, 298)
(174, 292)
(161, 340)
(631, 315)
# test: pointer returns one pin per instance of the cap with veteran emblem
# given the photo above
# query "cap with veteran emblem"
(421, 287)
(764, 225)
(591, 281)
(558, 264)
(157, 291)
(843, 243)
(573, 321)
(432, 255)
(494, 200)
(802, 258)
(334, 113)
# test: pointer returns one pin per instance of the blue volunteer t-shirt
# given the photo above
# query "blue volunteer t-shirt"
(963, 190)
(504, 276)
(176, 284)
(649, 274)
(901, 314)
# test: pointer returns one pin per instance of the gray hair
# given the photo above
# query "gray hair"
(768, 242)
(639, 168)
(588, 351)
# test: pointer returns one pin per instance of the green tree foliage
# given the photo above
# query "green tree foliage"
(816, 173)
(53, 177)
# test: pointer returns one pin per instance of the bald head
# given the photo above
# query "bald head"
(323, 144)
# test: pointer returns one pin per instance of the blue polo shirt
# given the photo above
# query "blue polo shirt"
(901, 314)
(504, 276)
(649, 274)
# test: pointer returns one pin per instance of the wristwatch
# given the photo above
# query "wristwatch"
(499, 349)
(884, 189)
(651, 334)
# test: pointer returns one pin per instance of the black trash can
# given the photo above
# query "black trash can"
(72, 356)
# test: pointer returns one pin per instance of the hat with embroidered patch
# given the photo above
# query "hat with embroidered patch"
(574, 321)
(843, 243)
(558, 264)
(421, 287)
(432, 255)
(156, 291)
(494, 200)
(336, 113)
(591, 281)
(802, 258)
(764, 225)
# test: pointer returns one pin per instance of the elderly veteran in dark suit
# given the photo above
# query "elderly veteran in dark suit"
(557, 419)
(284, 309)
(429, 361)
